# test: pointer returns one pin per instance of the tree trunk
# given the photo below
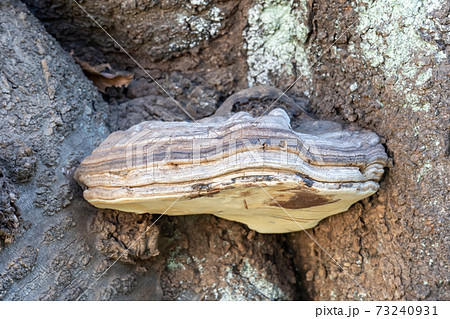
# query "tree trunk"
(380, 65)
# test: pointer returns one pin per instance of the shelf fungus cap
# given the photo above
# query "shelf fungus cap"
(257, 171)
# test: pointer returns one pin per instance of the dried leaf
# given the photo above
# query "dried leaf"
(102, 79)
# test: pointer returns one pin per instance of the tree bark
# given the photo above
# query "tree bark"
(380, 65)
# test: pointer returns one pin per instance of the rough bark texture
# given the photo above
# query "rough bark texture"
(379, 65)
(388, 73)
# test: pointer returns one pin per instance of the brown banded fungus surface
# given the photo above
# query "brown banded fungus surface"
(254, 170)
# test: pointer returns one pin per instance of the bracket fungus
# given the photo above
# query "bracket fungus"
(257, 171)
